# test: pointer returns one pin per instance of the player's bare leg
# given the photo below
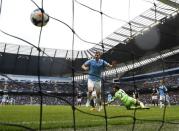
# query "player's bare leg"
(88, 99)
(98, 101)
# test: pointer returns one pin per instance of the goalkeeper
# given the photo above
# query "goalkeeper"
(129, 102)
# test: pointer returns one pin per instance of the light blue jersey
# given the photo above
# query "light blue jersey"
(95, 68)
(109, 97)
(162, 90)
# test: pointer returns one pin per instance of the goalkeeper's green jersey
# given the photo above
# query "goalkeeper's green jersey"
(125, 99)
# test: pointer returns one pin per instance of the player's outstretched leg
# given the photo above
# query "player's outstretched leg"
(92, 104)
(99, 105)
(141, 104)
(88, 100)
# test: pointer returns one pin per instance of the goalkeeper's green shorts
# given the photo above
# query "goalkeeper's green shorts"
(130, 102)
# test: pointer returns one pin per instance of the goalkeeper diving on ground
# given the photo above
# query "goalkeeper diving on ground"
(129, 102)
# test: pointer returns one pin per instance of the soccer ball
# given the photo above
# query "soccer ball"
(39, 18)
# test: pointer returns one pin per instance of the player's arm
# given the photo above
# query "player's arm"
(157, 91)
(112, 100)
(165, 89)
(109, 102)
(85, 67)
(109, 65)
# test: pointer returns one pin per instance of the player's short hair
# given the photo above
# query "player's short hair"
(98, 52)
(116, 87)
(161, 81)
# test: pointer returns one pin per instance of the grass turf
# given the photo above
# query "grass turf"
(61, 118)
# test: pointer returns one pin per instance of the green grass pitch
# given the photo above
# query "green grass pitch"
(61, 118)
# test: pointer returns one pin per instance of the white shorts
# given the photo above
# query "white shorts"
(79, 100)
(4, 100)
(109, 99)
(94, 85)
(154, 97)
(162, 98)
(93, 94)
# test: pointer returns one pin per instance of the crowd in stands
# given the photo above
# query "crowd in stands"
(27, 91)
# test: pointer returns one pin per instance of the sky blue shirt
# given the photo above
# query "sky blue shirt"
(109, 97)
(95, 68)
(162, 90)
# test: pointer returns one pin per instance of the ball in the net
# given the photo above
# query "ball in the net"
(39, 18)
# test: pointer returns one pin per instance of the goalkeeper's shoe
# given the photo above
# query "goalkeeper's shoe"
(87, 103)
(100, 108)
(138, 107)
(145, 107)
(142, 105)
(92, 109)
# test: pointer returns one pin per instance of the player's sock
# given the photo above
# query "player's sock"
(88, 99)
(92, 103)
(88, 103)
(142, 105)
(161, 105)
(98, 101)
(92, 109)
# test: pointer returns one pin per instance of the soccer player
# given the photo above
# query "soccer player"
(5, 98)
(154, 96)
(95, 67)
(79, 98)
(109, 97)
(162, 93)
(168, 99)
(129, 102)
(12, 101)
